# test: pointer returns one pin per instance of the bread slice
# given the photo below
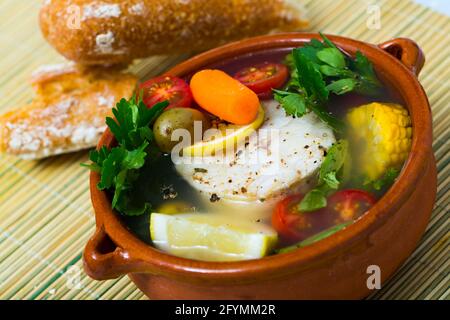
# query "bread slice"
(112, 31)
(68, 112)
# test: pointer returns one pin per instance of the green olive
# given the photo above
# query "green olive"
(177, 118)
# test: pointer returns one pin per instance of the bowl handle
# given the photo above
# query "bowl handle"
(103, 259)
(407, 51)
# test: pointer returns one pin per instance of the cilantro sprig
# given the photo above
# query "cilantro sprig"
(319, 69)
(120, 166)
(331, 175)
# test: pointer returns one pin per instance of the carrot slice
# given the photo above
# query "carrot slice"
(225, 97)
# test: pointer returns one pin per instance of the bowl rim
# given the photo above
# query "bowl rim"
(158, 262)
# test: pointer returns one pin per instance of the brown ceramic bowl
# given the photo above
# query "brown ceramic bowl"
(334, 268)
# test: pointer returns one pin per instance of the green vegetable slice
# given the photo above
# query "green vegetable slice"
(315, 238)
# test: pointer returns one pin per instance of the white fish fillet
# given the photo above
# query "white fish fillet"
(288, 153)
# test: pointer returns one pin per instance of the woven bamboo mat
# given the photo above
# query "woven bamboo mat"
(45, 211)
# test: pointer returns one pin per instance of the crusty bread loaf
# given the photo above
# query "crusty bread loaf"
(68, 112)
(115, 31)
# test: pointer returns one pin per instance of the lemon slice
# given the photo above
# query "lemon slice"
(226, 135)
(211, 237)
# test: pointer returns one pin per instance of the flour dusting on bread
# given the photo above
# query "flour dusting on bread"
(68, 112)
(137, 9)
(101, 11)
(104, 42)
(50, 70)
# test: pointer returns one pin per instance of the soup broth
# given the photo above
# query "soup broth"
(161, 184)
(256, 155)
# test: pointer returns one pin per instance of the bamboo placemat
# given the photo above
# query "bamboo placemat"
(45, 211)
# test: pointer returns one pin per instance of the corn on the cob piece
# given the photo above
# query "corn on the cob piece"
(383, 132)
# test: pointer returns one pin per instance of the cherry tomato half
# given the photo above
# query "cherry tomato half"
(349, 204)
(293, 226)
(170, 88)
(262, 78)
(286, 220)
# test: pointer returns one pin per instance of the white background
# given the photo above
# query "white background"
(442, 6)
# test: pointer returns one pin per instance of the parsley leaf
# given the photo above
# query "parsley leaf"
(294, 104)
(333, 161)
(309, 77)
(307, 90)
(130, 126)
(97, 158)
(368, 82)
(123, 180)
(293, 82)
(313, 200)
(342, 86)
(332, 57)
(331, 180)
(111, 167)
(319, 69)
(330, 173)
(120, 167)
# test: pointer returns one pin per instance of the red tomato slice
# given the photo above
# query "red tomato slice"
(349, 204)
(262, 78)
(285, 218)
(293, 226)
(170, 88)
